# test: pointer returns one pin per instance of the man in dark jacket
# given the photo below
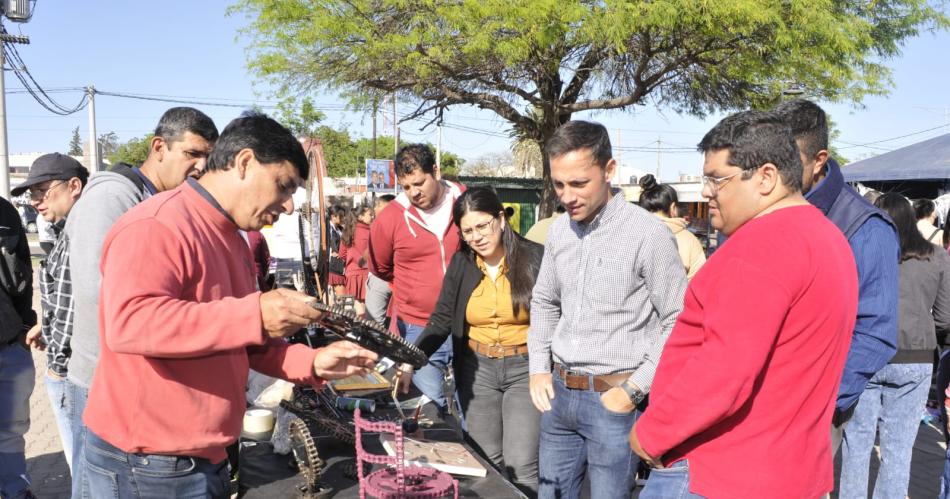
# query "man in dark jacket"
(876, 249)
(17, 373)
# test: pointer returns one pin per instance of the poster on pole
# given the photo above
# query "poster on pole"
(380, 175)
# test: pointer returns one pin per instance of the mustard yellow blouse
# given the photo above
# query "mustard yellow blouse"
(489, 312)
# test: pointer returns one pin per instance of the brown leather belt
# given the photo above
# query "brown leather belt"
(497, 351)
(580, 381)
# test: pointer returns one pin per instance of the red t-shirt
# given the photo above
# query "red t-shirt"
(746, 385)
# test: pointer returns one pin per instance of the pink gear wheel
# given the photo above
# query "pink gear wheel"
(397, 480)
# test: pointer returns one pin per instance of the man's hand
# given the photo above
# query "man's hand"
(341, 359)
(34, 338)
(284, 312)
(635, 446)
(616, 400)
(542, 391)
(404, 377)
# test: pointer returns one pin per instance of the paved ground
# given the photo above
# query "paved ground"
(47, 465)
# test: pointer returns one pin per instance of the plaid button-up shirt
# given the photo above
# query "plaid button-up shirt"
(57, 298)
(607, 295)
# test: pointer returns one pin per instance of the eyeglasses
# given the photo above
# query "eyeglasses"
(716, 183)
(44, 194)
(483, 229)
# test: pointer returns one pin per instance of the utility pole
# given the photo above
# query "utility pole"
(659, 159)
(395, 129)
(438, 145)
(4, 154)
(93, 140)
(375, 109)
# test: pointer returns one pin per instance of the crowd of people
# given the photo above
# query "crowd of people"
(601, 347)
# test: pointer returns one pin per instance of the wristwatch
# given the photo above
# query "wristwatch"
(633, 391)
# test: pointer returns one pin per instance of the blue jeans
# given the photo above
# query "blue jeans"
(17, 376)
(945, 479)
(78, 396)
(579, 436)
(895, 398)
(429, 379)
(113, 473)
(669, 483)
(59, 400)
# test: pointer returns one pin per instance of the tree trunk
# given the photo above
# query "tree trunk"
(548, 196)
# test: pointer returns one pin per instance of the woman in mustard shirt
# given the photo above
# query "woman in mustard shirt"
(484, 304)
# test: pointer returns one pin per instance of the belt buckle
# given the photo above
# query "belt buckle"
(496, 350)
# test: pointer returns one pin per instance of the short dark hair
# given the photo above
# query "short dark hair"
(808, 123)
(414, 157)
(577, 135)
(923, 208)
(268, 139)
(656, 197)
(754, 138)
(177, 121)
(386, 198)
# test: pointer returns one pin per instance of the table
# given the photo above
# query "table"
(266, 475)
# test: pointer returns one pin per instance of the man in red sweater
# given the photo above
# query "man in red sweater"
(410, 245)
(180, 333)
(746, 385)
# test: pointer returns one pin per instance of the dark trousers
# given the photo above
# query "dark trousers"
(499, 414)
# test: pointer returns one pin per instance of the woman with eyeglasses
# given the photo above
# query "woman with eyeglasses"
(484, 305)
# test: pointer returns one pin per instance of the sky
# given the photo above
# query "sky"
(191, 49)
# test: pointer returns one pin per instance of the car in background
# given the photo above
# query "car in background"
(28, 216)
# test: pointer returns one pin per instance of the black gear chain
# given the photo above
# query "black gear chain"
(370, 335)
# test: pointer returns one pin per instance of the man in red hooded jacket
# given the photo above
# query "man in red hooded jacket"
(410, 245)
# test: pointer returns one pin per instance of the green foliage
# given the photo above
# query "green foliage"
(75, 144)
(132, 152)
(557, 57)
(300, 118)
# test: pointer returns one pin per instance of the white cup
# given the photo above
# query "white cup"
(257, 420)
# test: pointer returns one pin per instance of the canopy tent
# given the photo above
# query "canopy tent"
(927, 160)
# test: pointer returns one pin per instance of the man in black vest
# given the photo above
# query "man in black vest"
(872, 238)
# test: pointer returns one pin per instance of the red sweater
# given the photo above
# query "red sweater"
(181, 324)
(746, 385)
(406, 252)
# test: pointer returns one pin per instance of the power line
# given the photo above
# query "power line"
(31, 85)
(866, 144)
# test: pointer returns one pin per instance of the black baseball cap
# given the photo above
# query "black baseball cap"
(53, 166)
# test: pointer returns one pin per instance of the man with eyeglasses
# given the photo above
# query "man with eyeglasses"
(608, 292)
(54, 183)
(411, 243)
(746, 388)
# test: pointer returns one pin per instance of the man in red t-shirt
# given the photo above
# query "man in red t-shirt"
(746, 386)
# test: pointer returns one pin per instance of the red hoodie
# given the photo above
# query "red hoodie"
(406, 252)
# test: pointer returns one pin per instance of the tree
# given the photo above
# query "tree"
(75, 143)
(108, 145)
(132, 152)
(493, 164)
(555, 58)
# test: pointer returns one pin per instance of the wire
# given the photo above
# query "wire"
(32, 86)
(866, 144)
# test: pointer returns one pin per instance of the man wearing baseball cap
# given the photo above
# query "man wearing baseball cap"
(54, 183)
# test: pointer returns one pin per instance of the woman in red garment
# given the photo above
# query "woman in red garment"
(355, 240)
